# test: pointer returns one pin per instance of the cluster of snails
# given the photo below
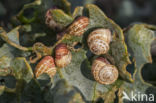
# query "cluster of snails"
(98, 43)
(47, 65)
(62, 55)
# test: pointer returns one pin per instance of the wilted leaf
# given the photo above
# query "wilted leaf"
(139, 38)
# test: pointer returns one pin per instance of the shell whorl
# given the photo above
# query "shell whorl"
(103, 72)
(62, 55)
(78, 27)
(46, 65)
(98, 41)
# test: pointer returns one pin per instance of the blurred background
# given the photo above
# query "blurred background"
(123, 12)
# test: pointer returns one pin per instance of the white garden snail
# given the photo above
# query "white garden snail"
(103, 71)
(78, 27)
(62, 55)
(98, 41)
(46, 65)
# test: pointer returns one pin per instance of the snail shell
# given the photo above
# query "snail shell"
(103, 71)
(49, 21)
(98, 41)
(78, 27)
(46, 65)
(62, 55)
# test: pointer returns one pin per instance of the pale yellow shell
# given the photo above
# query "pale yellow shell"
(103, 72)
(98, 41)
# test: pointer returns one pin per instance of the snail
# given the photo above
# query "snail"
(77, 28)
(98, 41)
(62, 55)
(46, 65)
(50, 22)
(103, 71)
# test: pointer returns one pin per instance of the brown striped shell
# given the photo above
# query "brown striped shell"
(78, 27)
(62, 55)
(103, 71)
(46, 65)
(98, 41)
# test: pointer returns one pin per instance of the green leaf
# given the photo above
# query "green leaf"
(139, 38)
(8, 98)
(64, 5)
(13, 35)
(6, 57)
(24, 19)
(78, 11)
(63, 93)
(75, 74)
(76, 3)
(21, 69)
(107, 92)
(39, 7)
(78, 74)
(2, 88)
(32, 92)
(44, 80)
(61, 18)
(8, 81)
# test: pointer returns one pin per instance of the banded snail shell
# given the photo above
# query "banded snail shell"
(78, 27)
(62, 55)
(98, 41)
(103, 71)
(46, 65)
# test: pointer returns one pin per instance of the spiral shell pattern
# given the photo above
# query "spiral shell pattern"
(98, 41)
(78, 27)
(62, 55)
(103, 71)
(46, 65)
